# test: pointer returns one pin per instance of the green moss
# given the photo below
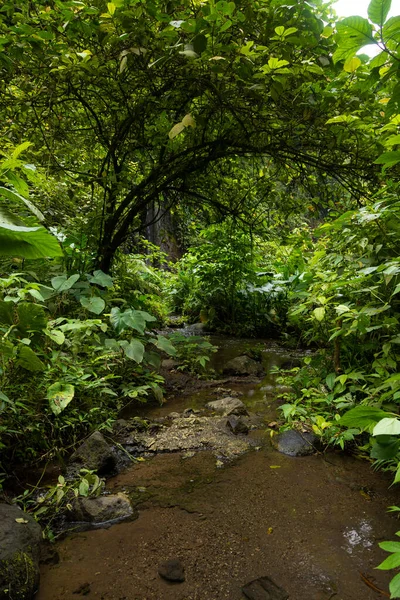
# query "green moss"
(19, 577)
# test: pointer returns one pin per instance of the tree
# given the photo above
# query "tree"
(138, 99)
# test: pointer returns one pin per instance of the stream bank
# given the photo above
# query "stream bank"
(312, 524)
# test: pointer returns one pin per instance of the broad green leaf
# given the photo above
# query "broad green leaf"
(84, 487)
(330, 380)
(319, 313)
(11, 195)
(176, 130)
(394, 586)
(27, 359)
(28, 242)
(378, 11)
(391, 562)
(387, 426)
(133, 349)
(385, 447)
(352, 34)
(351, 64)
(59, 396)
(100, 278)
(388, 159)
(62, 283)
(93, 304)
(363, 417)
(342, 119)
(55, 335)
(165, 345)
(31, 317)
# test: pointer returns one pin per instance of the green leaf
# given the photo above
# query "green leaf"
(11, 195)
(55, 335)
(363, 417)
(330, 380)
(133, 349)
(390, 546)
(100, 278)
(164, 344)
(319, 313)
(93, 304)
(28, 242)
(378, 11)
(388, 159)
(84, 488)
(63, 283)
(352, 34)
(391, 562)
(351, 64)
(59, 396)
(31, 317)
(129, 319)
(394, 586)
(387, 426)
(27, 359)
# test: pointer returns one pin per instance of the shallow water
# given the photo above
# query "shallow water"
(312, 524)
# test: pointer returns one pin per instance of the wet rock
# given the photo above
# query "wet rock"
(237, 425)
(264, 588)
(94, 454)
(120, 426)
(227, 392)
(172, 570)
(115, 507)
(169, 364)
(20, 540)
(227, 406)
(196, 433)
(189, 412)
(295, 443)
(174, 415)
(242, 365)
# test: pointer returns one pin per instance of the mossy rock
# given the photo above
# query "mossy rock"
(20, 541)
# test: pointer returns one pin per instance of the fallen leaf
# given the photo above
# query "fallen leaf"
(269, 530)
(274, 466)
(21, 520)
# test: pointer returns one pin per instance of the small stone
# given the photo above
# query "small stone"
(103, 509)
(295, 443)
(264, 588)
(174, 415)
(228, 406)
(172, 570)
(237, 425)
(169, 364)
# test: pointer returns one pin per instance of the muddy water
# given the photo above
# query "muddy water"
(312, 524)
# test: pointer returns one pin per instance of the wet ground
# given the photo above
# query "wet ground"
(312, 524)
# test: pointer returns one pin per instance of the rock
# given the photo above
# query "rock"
(172, 570)
(242, 365)
(228, 406)
(189, 412)
(94, 454)
(295, 443)
(169, 364)
(102, 509)
(264, 588)
(237, 425)
(174, 415)
(19, 554)
(196, 433)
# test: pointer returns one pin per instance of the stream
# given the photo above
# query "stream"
(312, 524)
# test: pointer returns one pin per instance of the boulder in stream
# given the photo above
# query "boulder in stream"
(94, 454)
(264, 588)
(227, 406)
(20, 540)
(295, 443)
(102, 509)
(243, 365)
(237, 425)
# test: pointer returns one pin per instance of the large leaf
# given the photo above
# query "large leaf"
(378, 11)
(28, 242)
(59, 396)
(100, 278)
(31, 317)
(363, 417)
(93, 304)
(385, 447)
(165, 345)
(129, 319)
(11, 195)
(133, 349)
(387, 426)
(394, 586)
(28, 360)
(62, 283)
(352, 34)
(391, 562)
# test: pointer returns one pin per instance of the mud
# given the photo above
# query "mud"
(312, 524)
